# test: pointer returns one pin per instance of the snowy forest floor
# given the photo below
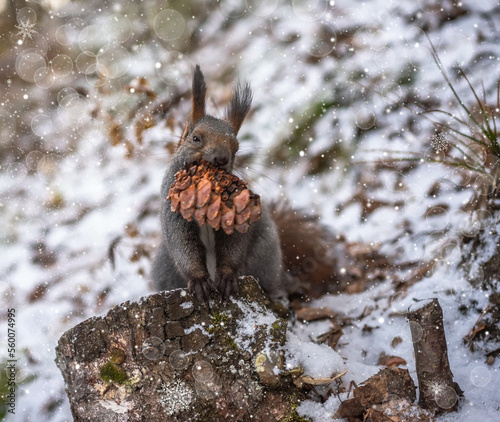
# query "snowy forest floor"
(93, 97)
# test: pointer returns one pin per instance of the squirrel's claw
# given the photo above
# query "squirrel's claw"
(227, 283)
(201, 288)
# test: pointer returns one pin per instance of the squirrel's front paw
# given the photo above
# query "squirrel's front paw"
(201, 288)
(226, 282)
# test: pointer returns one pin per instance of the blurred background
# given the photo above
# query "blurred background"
(93, 97)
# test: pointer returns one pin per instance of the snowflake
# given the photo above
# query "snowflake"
(436, 388)
(26, 29)
(444, 395)
(175, 397)
(439, 142)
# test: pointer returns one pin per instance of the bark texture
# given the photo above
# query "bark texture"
(438, 392)
(167, 358)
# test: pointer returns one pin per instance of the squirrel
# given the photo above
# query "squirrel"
(210, 261)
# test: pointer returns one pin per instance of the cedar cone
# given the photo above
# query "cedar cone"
(210, 194)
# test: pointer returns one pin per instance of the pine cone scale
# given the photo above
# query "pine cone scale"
(204, 189)
(188, 197)
(227, 218)
(242, 200)
(200, 215)
(213, 209)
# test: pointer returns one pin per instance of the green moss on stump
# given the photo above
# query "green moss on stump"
(218, 329)
(111, 372)
(219, 321)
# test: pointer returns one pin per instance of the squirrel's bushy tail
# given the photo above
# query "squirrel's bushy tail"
(310, 252)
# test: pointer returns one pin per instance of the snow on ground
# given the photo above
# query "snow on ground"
(67, 194)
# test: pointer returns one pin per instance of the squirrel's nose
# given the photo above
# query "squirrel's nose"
(221, 160)
(219, 157)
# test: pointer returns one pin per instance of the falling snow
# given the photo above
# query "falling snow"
(26, 29)
(83, 153)
(439, 142)
(175, 397)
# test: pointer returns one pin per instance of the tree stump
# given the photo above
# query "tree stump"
(168, 358)
(438, 392)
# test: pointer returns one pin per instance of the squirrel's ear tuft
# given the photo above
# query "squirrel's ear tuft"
(199, 92)
(239, 106)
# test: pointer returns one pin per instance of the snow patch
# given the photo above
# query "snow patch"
(318, 360)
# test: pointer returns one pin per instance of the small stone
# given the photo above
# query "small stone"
(117, 355)
(266, 366)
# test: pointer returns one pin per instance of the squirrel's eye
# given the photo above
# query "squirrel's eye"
(196, 139)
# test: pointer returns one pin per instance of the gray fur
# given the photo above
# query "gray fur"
(239, 106)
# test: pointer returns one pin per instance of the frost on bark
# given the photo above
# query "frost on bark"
(167, 358)
(438, 392)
